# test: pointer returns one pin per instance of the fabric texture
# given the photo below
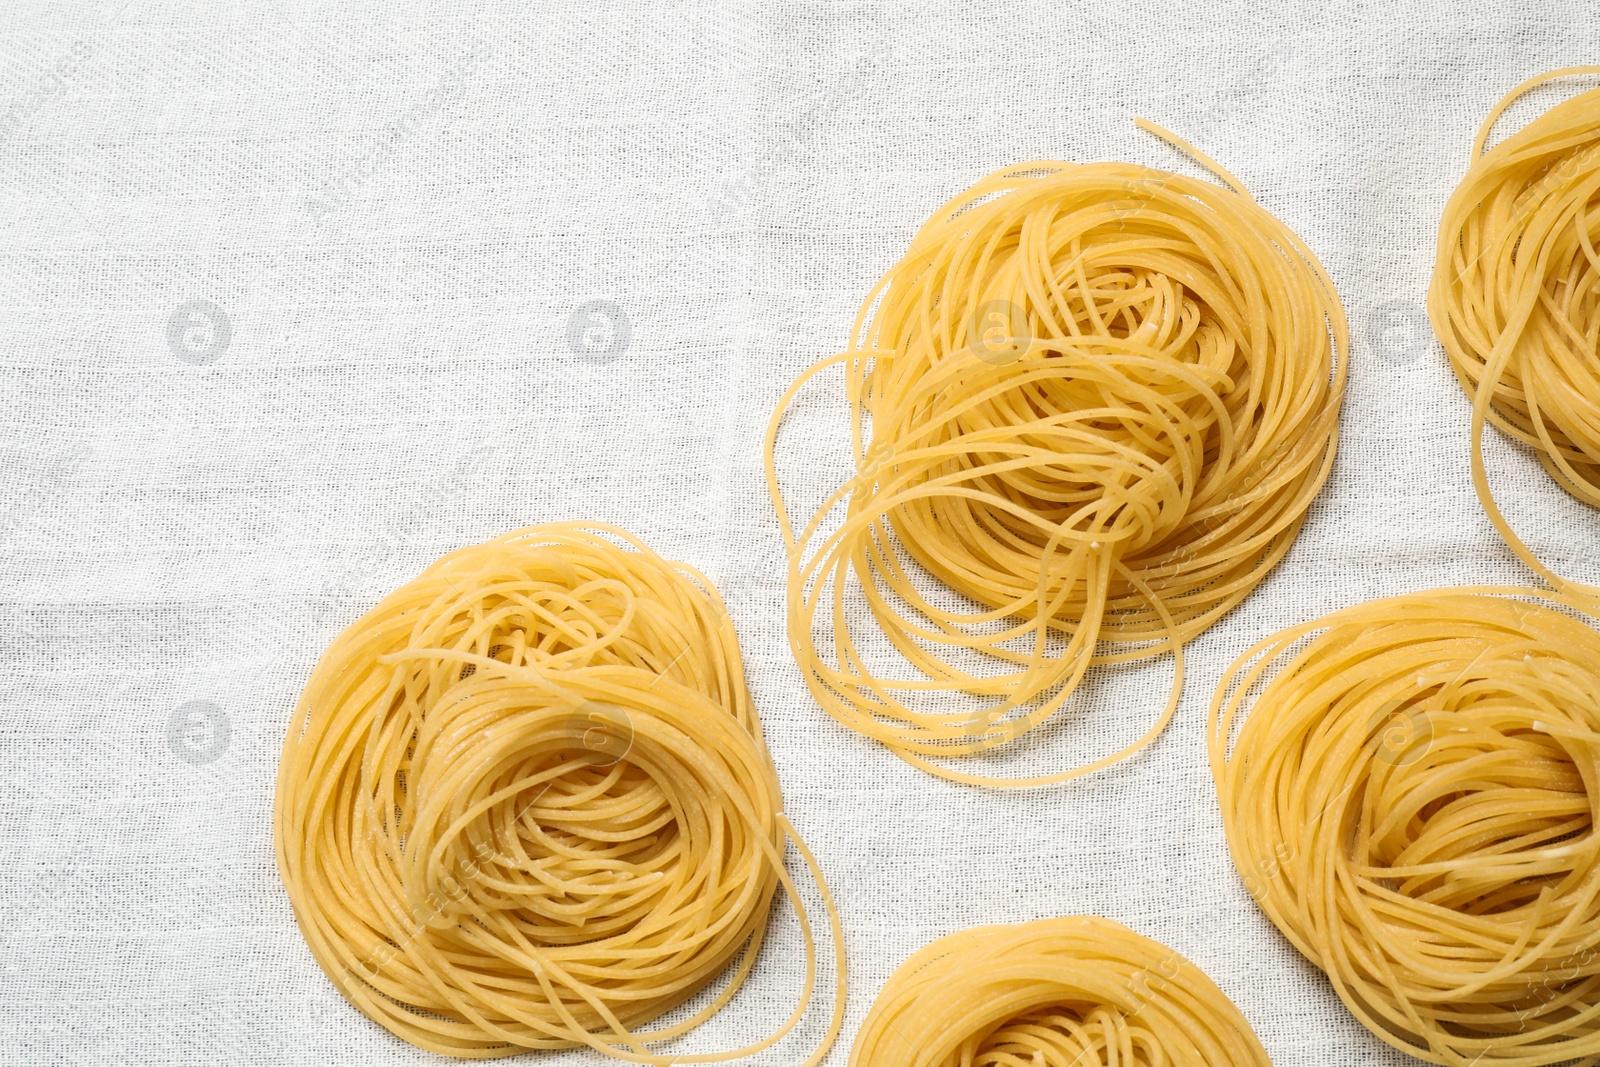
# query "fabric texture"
(297, 297)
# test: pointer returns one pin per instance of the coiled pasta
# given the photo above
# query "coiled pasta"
(524, 802)
(1411, 799)
(1095, 400)
(1515, 296)
(1069, 992)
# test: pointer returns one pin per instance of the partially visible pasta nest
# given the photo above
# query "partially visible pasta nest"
(524, 802)
(1093, 400)
(1410, 795)
(1515, 295)
(1069, 992)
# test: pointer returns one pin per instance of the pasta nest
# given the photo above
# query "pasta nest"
(1068, 992)
(524, 802)
(1093, 401)
(1411, 797)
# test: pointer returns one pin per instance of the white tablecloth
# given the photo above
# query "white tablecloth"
(298, 296)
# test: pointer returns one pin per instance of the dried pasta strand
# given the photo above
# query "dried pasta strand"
(1095, 400)
(1411, 799)
(524, 803)
(1515, 296)
(1069, 992)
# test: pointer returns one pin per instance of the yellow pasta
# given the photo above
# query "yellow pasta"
(1095, 401)
(1410, 797)
(1515, 296)
(1070, 992)
(524, 803)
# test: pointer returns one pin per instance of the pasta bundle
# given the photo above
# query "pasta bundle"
(1070, 992)
(524, 802)
(1095, 401)
(1515, 296)
(1410, 798)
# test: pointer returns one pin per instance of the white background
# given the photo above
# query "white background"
(398, 207)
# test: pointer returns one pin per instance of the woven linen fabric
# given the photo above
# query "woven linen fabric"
(298, 296)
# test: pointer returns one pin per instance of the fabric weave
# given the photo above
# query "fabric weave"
(298, 297)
